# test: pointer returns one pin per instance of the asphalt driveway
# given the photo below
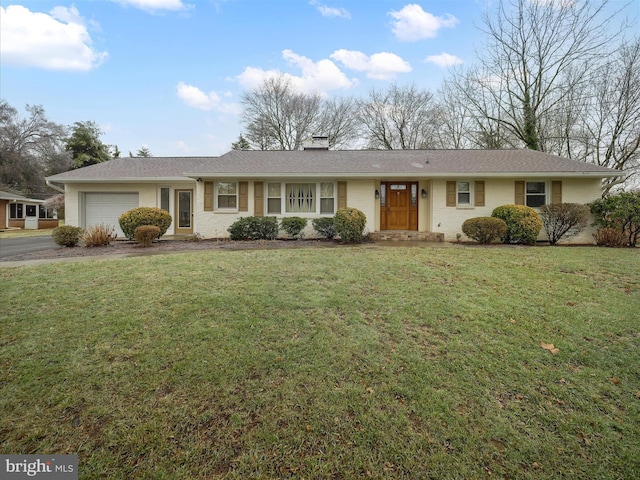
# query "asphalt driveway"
(19, 246)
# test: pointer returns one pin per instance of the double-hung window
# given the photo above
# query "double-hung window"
(464, 193)
(227, 195)
(274, 198)
(535, 194)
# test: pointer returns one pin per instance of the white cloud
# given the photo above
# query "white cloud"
(154, 5)
(379, 66)
(444, 60)
(55, 41)
(412, 23)
(317, 77)
(327, 11)
(194, 97)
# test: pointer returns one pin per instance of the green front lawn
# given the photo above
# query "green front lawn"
(328, 363)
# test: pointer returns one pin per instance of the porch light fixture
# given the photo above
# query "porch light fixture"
(423, 193)
(199, 179)
(377, 194)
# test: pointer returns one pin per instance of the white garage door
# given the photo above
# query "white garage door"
(107, 207)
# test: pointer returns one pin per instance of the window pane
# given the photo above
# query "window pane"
(326, 190)
(464, 198)
(535, 187)
(273, 190)
(414, 194)
(164, 199)
(383, 194)
(535, 201)
(326, 205)
(226, 201)
(463, 186)
(301, 197)
(274, 205)
(226, 188)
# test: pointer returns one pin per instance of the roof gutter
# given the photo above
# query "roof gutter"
(55, 187)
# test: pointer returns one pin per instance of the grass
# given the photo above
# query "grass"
(328, 363)
(20, 233)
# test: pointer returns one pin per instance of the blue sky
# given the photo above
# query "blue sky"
(169, 74)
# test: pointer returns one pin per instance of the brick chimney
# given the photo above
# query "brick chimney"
(317, 142)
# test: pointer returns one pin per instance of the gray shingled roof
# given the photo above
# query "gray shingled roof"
(15, 196)
(135, 169)
(336, 163)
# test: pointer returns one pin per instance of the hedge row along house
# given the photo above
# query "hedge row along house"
(413, 194)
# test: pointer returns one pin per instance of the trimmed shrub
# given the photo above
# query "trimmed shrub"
(67, 236)
(484, 229)
(610, 237)
(563, 220)
(99, 235)
(294, 226)
(349, 224)
(325, 227)
(146, 234)
(254, 228)
(140, 216)
(523, 223)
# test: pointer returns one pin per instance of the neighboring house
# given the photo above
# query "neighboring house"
(17, 211)
(409, 191)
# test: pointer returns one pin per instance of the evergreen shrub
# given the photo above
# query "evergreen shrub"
(294, 226)
(523, 223)
(67, 236)
(254, 228)
(325, 227)
(350, 223)
(140, 216)
(485, 230)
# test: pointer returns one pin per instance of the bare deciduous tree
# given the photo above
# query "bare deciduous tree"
(399, 118)
(30, 148)
(533, 48)
(612, 125)
(277, 117)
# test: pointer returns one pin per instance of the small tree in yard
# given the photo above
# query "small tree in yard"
(56, 203)
(620, 212)
(563, 220)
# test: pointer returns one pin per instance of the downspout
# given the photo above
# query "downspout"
(55, 187)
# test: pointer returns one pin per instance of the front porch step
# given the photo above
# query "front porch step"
(406, 236)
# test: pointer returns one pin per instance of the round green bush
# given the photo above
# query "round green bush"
(67, 236)
(325, 227)
(146, 234)
(294, 226)
(484, 229)
(349, 224)
(254, 228)
(523, 223)
(137, 217)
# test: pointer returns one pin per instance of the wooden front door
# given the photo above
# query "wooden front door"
(184, 212)
(399, 206)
